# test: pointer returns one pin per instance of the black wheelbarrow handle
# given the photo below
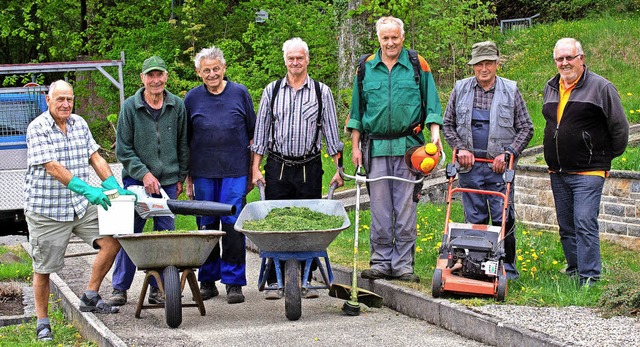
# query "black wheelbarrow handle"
(200, 208)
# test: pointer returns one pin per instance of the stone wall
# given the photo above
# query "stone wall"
(619, 217)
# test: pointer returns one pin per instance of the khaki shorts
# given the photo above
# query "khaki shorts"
(49, 238)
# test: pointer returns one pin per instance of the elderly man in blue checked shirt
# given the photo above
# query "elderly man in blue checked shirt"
(59, 202)
(286, 128)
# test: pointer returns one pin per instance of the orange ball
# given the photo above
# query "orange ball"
(427, 165)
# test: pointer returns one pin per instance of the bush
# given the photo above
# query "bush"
(621, 296)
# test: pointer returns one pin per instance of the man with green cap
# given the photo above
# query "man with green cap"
(486, 117)
(151, 144)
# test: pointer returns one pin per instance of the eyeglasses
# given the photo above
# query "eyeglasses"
(569, 58)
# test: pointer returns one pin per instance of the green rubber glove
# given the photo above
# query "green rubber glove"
(111, 183)
(95, 195)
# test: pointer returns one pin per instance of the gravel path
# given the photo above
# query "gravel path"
(574, 325)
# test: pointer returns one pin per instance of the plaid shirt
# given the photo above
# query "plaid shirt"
(44, 194)
(482, 100)
(295, 115)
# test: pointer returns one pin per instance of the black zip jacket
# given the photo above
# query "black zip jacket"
(593, 129)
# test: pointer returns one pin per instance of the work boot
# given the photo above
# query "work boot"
(208, 290)
(309, 293)
(372, 274)
(273, 293)
(234, 294)
(43, 332)
(155, 297)
(408, 277)
(118, 297)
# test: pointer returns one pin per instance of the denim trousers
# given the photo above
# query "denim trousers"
(123, 268)
(577, 198)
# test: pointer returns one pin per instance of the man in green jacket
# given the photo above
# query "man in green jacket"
(383, 129)
(151, 144)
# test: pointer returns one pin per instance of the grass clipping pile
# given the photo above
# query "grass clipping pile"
(294, 219)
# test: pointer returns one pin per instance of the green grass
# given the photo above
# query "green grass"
(540, 261)
(19, 271)
(64, 334)
(24, 334)
(629, 160)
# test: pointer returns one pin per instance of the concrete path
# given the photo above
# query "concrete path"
(256, 322)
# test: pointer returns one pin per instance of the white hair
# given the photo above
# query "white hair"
(213, 53)
(389, 21)
(295, 42)
(569, 41)
(54, 85)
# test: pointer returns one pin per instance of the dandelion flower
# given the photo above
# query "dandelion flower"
(632, 111)
(629, 94)
(555, 262)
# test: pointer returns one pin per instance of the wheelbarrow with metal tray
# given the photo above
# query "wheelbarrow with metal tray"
(296, 249)
(422, 162)
(172, 252)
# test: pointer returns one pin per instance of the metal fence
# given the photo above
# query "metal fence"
(517, 23)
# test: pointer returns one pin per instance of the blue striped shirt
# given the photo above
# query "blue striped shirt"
(44, 194)
(295, 115)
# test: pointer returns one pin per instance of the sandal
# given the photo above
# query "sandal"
(96, 305)
(43, 332)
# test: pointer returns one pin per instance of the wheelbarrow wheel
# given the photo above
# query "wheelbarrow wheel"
(436, 283)
(292, 290)
(173, 297)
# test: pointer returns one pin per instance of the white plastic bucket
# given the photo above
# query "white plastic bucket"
(118, 219)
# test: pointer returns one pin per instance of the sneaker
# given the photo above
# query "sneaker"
(234, 294)
(273, 293)
(309, 293)
(43, 332)
(208, 290)
(373, 274)
(408, 277)
(512, 272)
(155, 297)
(96, 305)
(118, 297)
(588, 281)
(570, 272)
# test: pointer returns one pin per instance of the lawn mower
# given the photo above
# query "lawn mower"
(471, 257)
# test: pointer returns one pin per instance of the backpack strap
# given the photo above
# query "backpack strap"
(360, 72)
(416, 128)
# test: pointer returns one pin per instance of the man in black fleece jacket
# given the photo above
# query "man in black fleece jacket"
(586, 128)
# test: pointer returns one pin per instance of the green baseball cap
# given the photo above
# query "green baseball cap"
(153, 63)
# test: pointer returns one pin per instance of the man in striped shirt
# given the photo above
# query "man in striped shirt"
(289, 128)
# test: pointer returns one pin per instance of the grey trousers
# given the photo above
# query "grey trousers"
(393, 217)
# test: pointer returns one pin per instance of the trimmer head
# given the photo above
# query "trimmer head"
(351, 308)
